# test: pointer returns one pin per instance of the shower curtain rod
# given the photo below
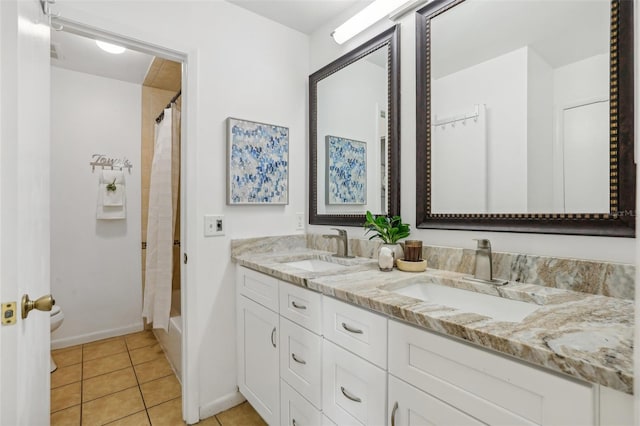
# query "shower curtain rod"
(175, 98)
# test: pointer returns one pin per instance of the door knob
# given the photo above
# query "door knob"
(44, 303)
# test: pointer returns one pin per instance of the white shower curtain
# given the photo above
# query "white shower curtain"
(160, 229)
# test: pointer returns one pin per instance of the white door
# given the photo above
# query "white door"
(24, 209)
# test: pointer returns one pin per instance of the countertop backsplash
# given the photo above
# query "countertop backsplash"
(586, 276)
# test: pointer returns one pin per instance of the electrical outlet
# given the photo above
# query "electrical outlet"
(214, 225)
(300, 221)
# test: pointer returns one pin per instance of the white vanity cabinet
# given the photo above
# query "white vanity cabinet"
(309, 359)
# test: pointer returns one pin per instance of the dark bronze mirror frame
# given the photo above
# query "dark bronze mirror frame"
(620, 222)
(390, 40)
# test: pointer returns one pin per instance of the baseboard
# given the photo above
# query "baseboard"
(97, 335)
(221, 404)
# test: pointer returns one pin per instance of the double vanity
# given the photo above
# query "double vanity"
(330, 340)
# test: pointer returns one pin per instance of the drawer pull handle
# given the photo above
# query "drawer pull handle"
(296, 359)
(295, 305)
(273, 333)
(393, 414)
(351, 329)
(349, 396)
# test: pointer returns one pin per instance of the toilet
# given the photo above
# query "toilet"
(56, 321)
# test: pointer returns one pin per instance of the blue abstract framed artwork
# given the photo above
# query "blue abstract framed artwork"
(346, 171)
(257, 163)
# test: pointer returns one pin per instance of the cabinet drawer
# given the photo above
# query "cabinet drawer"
(354, 391)
(300, 360)
(492, 388)
(304, 307)
(295, 410)
(258, 287)
(360, 331)
(409, 406)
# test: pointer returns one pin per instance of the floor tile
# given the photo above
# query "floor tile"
(240, 415)
(153, 370)
(139, 340)
(101, 341)
(67, 356)
(161, 390)
(109, 383)
(66, 396)
(112, 407)
(100, 350)
(65, 375)
(68, 417)
(167, 414)
(210, 421)
(138, 419)
(148, 353)
(105, 365)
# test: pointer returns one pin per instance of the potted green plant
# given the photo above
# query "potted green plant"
(388, 229)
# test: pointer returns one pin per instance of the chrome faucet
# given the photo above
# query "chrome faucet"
(484, 269)
(342, 236)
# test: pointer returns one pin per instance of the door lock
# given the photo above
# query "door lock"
(9, 313)
(44, 303)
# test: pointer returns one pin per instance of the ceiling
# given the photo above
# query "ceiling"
(560, 31)
(78, 53)
(305, 16)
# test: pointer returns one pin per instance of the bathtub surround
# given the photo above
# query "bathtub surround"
(586, 336)
(95, 264)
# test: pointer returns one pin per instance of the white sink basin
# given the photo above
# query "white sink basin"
(315, 265)
(494, 307)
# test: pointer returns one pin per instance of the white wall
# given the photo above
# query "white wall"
(501, 85)
(348, 101)
(324, 50)
(539, 134)
(240, 65)
(95, 264)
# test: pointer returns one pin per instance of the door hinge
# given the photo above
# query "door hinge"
(185, 258)
(9, 313)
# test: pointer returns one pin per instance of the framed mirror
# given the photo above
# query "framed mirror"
(525, 116)
(354, 139)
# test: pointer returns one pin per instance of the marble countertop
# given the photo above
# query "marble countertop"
(586, 336)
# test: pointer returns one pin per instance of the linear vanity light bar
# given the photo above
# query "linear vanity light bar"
(367, 17)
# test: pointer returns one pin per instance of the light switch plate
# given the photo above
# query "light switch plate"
(214, 225)
(299, 221)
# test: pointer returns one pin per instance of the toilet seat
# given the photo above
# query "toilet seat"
(55, 310)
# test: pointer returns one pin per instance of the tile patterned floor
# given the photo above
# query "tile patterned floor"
(125, 381)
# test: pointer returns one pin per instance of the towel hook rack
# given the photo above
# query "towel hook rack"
(101, 160)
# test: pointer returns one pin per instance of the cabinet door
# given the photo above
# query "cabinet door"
(258, 372)
(409, 406)
(300, 360)
(354, 391)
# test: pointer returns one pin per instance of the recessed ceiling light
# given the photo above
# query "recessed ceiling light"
(111, 48)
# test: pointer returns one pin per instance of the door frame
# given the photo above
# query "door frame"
(188, 196)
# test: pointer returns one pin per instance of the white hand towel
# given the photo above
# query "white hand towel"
(113, 197)
(111, 204)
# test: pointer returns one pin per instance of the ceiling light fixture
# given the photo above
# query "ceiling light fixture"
(369, 16)
(111, 48)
